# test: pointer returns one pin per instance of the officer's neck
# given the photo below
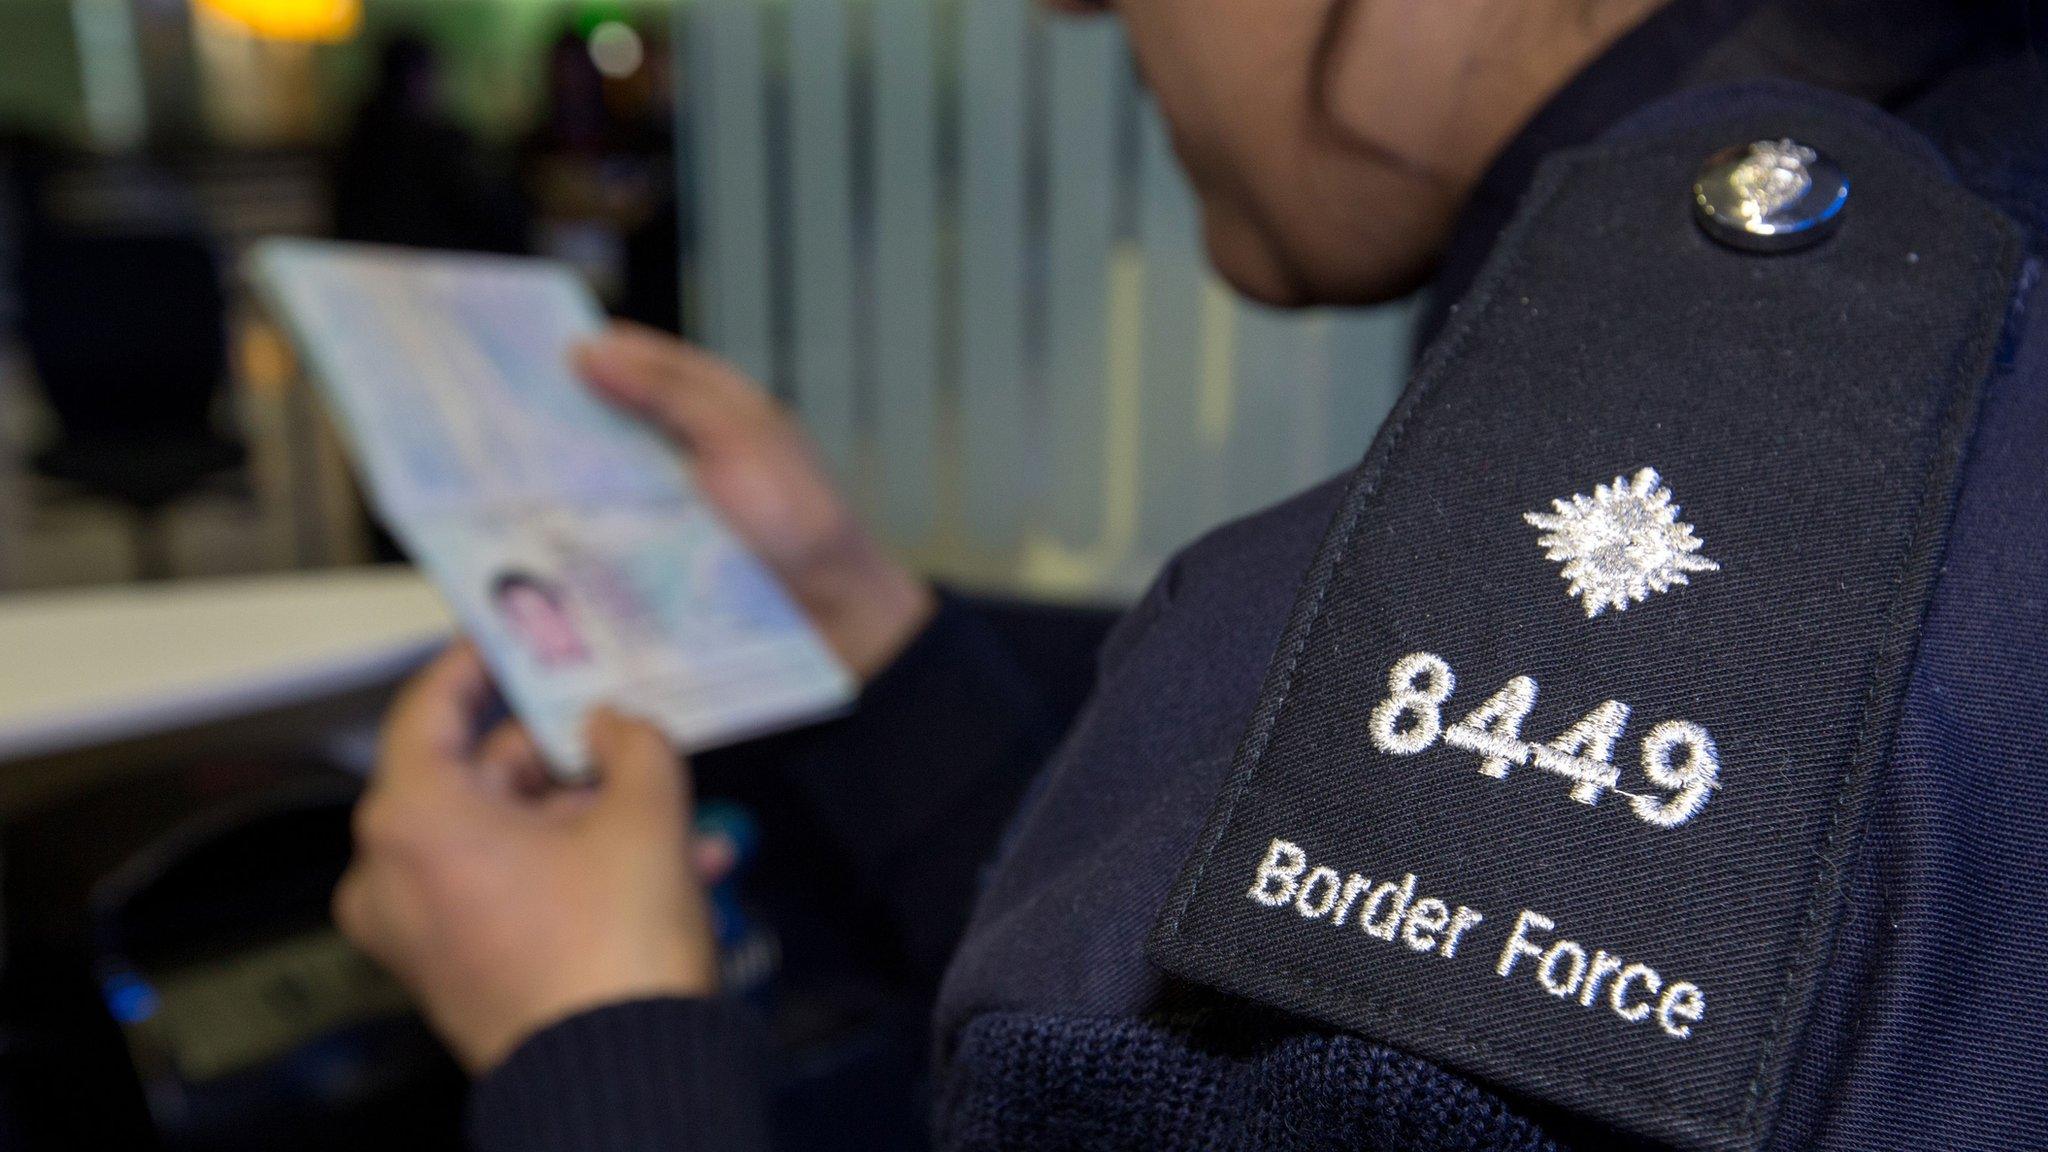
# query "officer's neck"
(1874, 49)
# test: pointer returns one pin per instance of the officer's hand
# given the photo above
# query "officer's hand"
(759, 469)
(506, 904)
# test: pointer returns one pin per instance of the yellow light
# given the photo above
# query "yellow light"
(319, 21)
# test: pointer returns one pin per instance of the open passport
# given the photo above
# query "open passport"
(568, 538)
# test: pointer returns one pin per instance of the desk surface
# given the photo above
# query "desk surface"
(83, 668)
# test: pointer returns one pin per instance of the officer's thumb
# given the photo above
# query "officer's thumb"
(635, 764)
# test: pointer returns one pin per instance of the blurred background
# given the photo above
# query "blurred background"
(948, 232)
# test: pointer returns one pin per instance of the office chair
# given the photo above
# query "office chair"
(127, 336)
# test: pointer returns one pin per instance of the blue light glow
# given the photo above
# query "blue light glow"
(129, 997)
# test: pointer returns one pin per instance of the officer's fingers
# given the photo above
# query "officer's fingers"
(354, 911)
(509, 764)
(651, 359)
(697, 398)
(434, 720)
(635, 764)
(378, 916)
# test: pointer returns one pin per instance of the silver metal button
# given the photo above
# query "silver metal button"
(1770, 196)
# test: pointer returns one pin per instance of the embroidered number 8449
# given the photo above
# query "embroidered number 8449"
(1678, 756)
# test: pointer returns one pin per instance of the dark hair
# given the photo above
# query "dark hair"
(404, 56)
(514, 579)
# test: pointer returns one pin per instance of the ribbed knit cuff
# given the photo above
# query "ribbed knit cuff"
(663, 1075)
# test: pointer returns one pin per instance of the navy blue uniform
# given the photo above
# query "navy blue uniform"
(1057, 1026)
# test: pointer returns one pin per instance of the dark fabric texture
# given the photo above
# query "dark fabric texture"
(1822, 492)
(1053, 1030)
(1932, 1030)
(1934, 1024)
(1124, 1085)
(915, 786)
(646, 1075)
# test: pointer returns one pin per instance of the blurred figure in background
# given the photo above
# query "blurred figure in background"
(600, 168)
(409, 174)
(575, 119)
(661, 246)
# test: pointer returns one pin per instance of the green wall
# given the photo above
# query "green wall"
(493, 50)
(39, 89)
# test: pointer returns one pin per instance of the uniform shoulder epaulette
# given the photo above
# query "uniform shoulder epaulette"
(1560, 765)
